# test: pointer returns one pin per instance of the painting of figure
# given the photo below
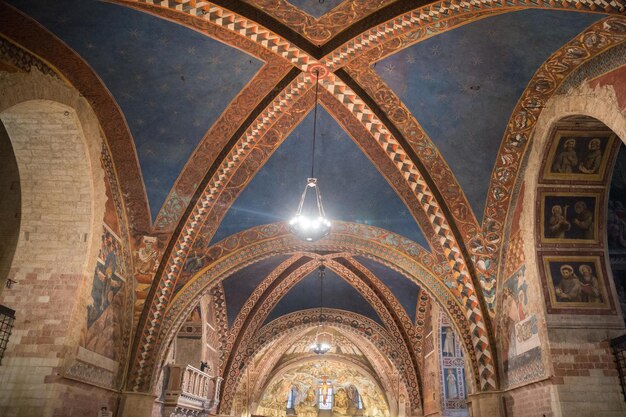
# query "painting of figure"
(576, 282)
(108, 278)
(104, 330)
(569, 218)
(579, 155)
(447, 342)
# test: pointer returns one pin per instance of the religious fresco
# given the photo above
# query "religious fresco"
(578, 155)
(616, 80)
(148, 250)
(453, 390)
(325, 384)
(576, 284)
(519, 342)
(107, 302)
(569, 217)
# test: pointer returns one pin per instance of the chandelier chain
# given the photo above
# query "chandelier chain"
(317, 82)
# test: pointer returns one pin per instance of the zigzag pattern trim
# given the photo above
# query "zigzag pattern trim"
(443, 10)
(425, 197)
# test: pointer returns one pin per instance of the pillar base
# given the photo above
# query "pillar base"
(485, 404)
(137, 404)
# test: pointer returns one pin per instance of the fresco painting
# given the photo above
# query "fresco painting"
(343, 384)
(104, 321)
(575, 282)
(452, 371)
(520, 343)
(569, 218)
(579, 155)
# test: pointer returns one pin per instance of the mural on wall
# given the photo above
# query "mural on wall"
(616, 226)
(519, 341)
(192, 327)
(578, 155)
(148, 251)
(106, 305)
(452, 371)
(329, 384)
(569, 218)
(576, 284)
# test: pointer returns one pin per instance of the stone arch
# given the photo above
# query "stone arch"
(367, 285)
(368, 337)
(57, 144)
(583, 101)
(260, 242)
(584, 327)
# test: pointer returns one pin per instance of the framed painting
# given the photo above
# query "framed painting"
(578, 155)
(576, 284)
(569, 218)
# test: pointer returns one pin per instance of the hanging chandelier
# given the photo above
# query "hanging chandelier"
(312, 226)
(323, 339)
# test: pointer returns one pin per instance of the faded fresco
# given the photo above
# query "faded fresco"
(579, 155)
(106, 305)
(575, 282)
(569, 218)
(145, 262)
(453, 390)
(330, 385)
(520, 346)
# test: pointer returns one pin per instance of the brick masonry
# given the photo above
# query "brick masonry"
(62, 194)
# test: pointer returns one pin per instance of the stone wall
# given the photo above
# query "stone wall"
(580, 376)
(62, 195)
(10, 204)
(585, 373)
(531, 400)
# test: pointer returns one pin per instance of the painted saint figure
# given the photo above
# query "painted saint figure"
(566, 160)
(448, 343)
(584, 220)
(591, 163)
(558, 223)
(451, 389)
(341, 399)
(146, 256)
(589, 288)
(568, 288)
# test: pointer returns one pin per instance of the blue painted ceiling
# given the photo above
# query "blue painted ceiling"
(314, 7)
(463, 85)
(337, 294)
(172, 83)
(352, 188)
(405, 290)
(240, 285)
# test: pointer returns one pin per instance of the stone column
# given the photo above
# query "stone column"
(136, 404)
(485, 404)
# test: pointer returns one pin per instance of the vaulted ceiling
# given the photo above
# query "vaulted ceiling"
(422, 128)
